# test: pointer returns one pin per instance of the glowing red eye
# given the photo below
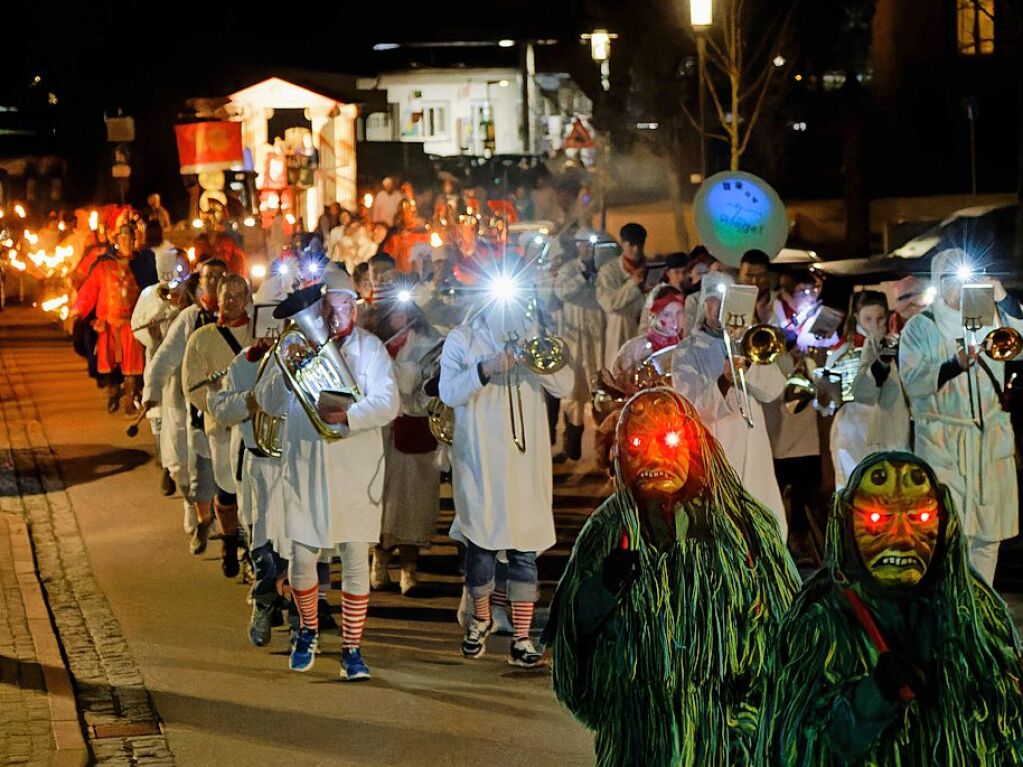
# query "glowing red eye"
(671, 439)
(875, 517)
(925, 516)
(636, 442)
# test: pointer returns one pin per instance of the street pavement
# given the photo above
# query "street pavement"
(155, 637)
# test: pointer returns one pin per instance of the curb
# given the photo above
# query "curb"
(71, 750)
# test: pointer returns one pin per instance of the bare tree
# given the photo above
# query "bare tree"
(739, 79)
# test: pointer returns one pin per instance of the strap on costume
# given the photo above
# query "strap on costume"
(866, 620)
(229, 338)
(873, 633)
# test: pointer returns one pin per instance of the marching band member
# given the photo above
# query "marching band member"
(665, 307)
(582, 328)
(332, 489)
(795, 438)
(411, 475)
(977, 465)
(503, 492)
(701, 373)
(874, 416)
(156, 308)
(755, 270)
(208, 353)
(911, 298)
(620, 291)
(260, 491)
(164, 387)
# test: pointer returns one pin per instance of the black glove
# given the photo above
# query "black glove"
(899, 679)
(621, 569)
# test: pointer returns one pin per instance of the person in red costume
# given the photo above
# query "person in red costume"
(214, 242)
(111, 290)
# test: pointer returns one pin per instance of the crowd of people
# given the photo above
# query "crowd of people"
(313, 418)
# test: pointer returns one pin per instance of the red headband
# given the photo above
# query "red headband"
(657, 306)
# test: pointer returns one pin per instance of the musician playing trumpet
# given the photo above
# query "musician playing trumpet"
(873, 415)
(702, 373)
(940, 373)
(500, 457)
(333, 487)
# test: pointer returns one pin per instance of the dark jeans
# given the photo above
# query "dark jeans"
(481, 566)
(803, 478)
(267, 566)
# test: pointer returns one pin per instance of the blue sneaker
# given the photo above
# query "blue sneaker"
(353, 667)
(303, 650)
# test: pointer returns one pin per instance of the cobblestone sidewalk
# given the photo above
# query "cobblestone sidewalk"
(25, 734)
(120, 722)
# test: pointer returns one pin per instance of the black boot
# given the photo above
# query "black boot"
(573, 441)
(167, 484)
(229, 557)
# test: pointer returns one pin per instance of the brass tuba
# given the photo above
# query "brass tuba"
(311, 362)
(439, 417)
(266, 429)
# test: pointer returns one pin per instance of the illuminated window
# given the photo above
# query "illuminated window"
(435, 121)
(975, 22)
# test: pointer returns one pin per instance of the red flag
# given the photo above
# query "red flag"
(207, 146)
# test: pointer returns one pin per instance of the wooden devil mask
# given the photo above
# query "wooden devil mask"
(896, 519)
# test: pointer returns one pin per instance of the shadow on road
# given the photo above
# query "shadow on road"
(28, 675)
(87, 463)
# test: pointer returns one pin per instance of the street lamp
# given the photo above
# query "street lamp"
(600, 52)
(701, 16)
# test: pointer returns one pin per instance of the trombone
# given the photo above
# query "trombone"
(1001, 345)
(761, 344)
(977, 305)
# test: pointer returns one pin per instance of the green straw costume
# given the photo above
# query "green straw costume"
(827, 704)
(667, 669)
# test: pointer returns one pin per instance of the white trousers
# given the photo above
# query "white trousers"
(354, 567)
(984, 558)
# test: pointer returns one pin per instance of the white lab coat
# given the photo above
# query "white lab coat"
(163, 385)
(978, 467)
(206, 353)
(260, 492)
(699, 361)
(582, 326)
(151, 308)
(622, 301)
(876, 419)
(503, 498)
(411, 480)
(333, 490)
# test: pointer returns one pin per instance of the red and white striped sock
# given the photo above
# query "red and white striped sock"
(481, 608)
(499, 598)
(353, 615)
(522, 619)
(306, 601)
